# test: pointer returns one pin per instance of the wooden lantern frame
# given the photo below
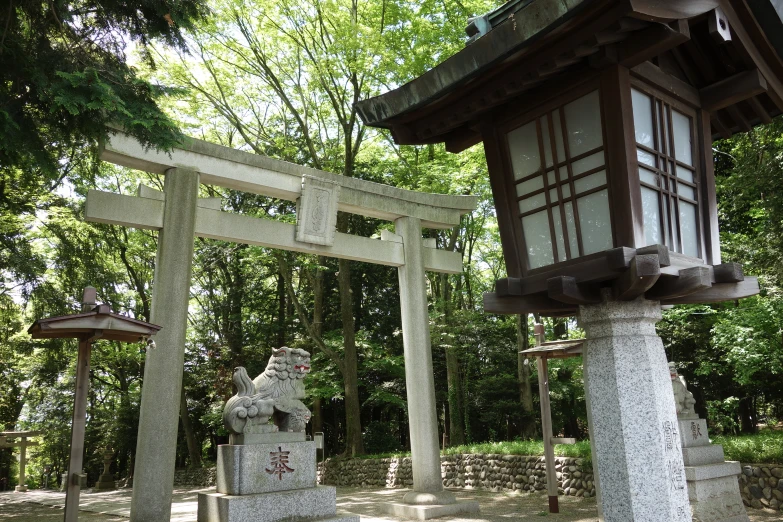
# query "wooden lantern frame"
(631, 267)
(621, 168)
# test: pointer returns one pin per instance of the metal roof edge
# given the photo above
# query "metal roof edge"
(510, 35)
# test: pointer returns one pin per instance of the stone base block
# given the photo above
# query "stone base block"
(311, 503)
(712, 471)
(105, 486)
(706, 489)
(700, 455)
(20, 489)
(723, 508)
(261, 468)
(419, 512)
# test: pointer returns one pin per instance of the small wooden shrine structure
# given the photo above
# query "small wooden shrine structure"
(543, 351)
(95, 322)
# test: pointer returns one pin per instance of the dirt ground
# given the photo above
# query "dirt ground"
(46, 506)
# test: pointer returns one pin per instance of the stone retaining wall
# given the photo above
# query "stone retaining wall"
(761, 485)
(493, 472)
(204, 477)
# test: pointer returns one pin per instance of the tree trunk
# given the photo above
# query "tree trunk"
(560, 328)
(353, 423)
(317, 422)
(348, 364)
(747, 415)
(194, 451)
(281, 308)
(456, 420)
(528, 428)
(456, 425)
(318, 296)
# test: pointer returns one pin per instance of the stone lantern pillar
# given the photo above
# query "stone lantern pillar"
(106, 480)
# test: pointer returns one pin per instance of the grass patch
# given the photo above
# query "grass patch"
(765, 447)
(396, 455)
(579, 450)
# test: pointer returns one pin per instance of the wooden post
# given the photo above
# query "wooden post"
(77, 431)
(546, 423)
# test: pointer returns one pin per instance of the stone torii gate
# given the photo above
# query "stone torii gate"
(179, 215)
(23, 444)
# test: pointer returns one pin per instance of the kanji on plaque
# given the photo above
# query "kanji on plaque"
(279, 462)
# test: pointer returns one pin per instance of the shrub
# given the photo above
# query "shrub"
(765, 447)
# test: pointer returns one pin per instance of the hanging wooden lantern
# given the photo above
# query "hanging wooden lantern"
(597, 119)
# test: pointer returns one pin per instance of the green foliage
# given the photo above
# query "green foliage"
(380, 438)
(724, 415)
(765, 447)
(749, 337)
(64, 76)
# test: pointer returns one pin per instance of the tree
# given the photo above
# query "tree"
(64, 76)
(302, 69)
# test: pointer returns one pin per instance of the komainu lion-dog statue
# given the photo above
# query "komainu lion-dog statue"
(275, 394)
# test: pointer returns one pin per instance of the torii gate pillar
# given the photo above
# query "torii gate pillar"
(156, 445)
(428, 498)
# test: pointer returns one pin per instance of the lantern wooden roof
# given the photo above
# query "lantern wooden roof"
(556, 349)
(530, 42)
(715, 63)
(100, 322)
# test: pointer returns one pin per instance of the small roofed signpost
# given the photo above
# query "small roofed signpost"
(597, 119)
(543, 352)
(93, 323)
(22, 444)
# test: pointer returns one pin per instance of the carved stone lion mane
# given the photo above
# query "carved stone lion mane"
(276, 393)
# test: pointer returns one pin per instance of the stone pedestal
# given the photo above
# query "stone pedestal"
(106, 480)
(268, 482)
(712, 483)
(250, 469)
(635, 437)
